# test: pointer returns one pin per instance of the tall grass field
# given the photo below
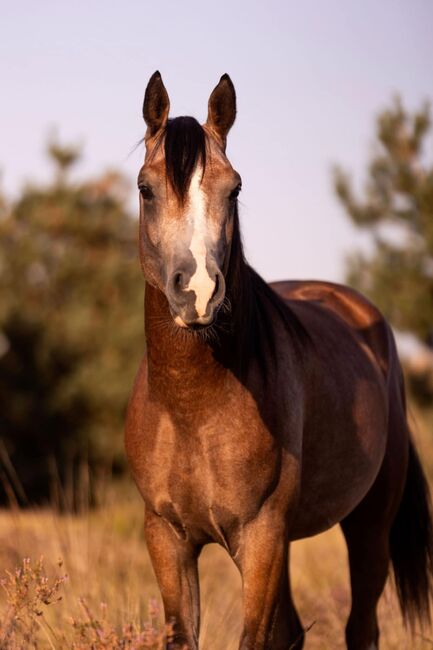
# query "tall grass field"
(85, 581)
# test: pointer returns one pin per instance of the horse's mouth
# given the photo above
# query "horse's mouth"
(194, 326)
(200, 324)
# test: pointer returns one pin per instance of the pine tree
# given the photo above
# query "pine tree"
(397, 209)
(71, 327)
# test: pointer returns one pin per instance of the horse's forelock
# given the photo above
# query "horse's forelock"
(185, 147)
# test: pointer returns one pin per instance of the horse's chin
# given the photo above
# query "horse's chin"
(180, 322)
(195, 326)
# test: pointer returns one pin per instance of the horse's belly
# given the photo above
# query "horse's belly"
(310, 521)
(339, 465)
(319, 513)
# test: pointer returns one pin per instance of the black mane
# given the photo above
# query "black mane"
(253, 303)
(185, 146)
(251, 298)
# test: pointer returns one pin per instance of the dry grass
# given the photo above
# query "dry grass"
(109, 585)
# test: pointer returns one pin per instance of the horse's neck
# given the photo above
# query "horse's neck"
(174, 355)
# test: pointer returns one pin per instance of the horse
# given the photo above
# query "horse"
(261, 414)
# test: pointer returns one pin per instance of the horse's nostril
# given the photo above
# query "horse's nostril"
(217, 286)
(178, 281)
(219, 289)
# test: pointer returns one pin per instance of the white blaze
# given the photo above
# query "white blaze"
(200, 282)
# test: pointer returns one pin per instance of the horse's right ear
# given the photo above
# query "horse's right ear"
(156, 105)
(222, 108)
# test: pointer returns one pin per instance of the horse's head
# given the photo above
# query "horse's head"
(188, 192)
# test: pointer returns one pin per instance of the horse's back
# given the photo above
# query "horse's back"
(357, 313)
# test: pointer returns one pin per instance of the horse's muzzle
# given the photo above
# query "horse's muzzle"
(194, 306)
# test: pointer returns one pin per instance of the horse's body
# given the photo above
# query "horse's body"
(289, 419)
(354, 379)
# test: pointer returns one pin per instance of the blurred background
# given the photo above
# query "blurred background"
(334, 144)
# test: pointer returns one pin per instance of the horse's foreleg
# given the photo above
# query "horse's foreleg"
(270, 620)
(175, 564)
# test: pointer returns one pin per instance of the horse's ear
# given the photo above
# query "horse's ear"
(222, 108)
(156, 105)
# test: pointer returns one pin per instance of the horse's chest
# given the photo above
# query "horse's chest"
(212, 477)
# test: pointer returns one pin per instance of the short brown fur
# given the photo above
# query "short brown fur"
(284, 418)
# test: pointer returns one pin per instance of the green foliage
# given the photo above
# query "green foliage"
(71, 326)
(397, 208)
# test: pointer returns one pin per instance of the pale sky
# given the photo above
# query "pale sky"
(310, 77)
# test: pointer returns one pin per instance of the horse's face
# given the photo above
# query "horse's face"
(188, 192)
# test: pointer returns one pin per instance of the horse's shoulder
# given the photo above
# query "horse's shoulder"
(134, 413)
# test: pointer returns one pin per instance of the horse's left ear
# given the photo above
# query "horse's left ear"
(156, 105)
(222, 108)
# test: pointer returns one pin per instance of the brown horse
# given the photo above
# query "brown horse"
(261, 414)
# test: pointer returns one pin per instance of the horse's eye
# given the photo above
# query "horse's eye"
(235, 193)
(146, 192)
